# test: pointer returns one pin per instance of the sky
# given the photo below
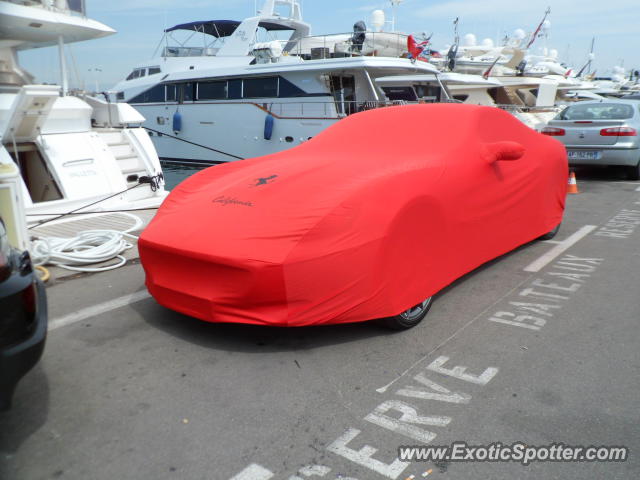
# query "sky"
(140, 23)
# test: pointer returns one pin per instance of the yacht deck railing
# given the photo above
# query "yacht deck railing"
(338, 109)
(315, 47)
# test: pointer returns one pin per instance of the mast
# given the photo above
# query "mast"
(593, 39)
(535, 34)
(63, 66)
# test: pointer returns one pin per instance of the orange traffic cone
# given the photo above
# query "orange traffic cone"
(572, 187)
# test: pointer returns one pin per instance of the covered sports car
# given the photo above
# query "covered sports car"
(367, 220)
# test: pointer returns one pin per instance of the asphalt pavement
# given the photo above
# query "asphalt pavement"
(538, 348)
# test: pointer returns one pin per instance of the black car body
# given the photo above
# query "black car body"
(23, 317)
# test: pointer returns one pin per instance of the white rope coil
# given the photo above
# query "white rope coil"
(87, 248)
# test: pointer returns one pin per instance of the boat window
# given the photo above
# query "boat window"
(431, 93)
(260, 87)
(400, 93)
(185, 92)
(77, 6)
(597, 111)
(171, 93)
(287, 89)
(234, 89)
(152, 95)
(120, 96)
(212, 90)
(343, 88)
(154, 70)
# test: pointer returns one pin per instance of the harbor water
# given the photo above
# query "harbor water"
(174, 173)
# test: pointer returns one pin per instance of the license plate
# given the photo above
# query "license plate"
(582, 155)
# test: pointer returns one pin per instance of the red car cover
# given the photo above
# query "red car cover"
(370, 217)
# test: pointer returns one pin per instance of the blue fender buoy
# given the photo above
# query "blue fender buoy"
(177, 122)
(268, 126)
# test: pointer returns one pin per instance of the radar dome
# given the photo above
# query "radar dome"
(553, 53)
(487, 43)
(469, 40)
(377, 19)
(519, 34)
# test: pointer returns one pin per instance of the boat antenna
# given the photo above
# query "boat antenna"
(593, 40)
(453, 49)
(394, 6)
(487, 72)
(587, 66)
(455, 31)
(534, 35)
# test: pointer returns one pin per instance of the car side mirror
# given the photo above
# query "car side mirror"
(506, 150)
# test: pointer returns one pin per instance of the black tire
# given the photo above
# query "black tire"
(409, 318)
(633, 173)
(551, 234)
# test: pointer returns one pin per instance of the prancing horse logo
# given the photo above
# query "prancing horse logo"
(264, 180)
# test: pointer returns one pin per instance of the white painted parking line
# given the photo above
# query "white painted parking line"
(559, 249)
(447, 340)
(253, 472)
(638, 189)
(99, 309)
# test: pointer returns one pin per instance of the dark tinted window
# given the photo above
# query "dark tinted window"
(171, 93)
(597, 111)
(185, 92)
(154, 70)
(288, 89)
(260, 87)
(134, 74)
(400, 93)
(76, 5)
(234, 89)
(431, 92)
(153, 95)
(212, 90)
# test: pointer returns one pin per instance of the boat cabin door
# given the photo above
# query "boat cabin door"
(19, 132)
(28, 113)
(343, 89)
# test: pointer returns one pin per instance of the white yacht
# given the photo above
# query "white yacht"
(531, 100)
(62, 152)
(235, 97)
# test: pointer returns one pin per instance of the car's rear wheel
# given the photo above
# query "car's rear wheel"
(634, 172)
(409, 318)
(551, 234)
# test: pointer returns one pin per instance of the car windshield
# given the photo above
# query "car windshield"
(597, 111)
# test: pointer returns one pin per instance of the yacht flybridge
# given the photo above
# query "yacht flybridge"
(238, 95)
(60, 152)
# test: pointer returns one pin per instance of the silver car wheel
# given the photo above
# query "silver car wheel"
(416, 311)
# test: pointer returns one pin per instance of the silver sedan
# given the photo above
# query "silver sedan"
(600, 133)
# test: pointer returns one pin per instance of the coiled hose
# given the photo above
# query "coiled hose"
(87, 248)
